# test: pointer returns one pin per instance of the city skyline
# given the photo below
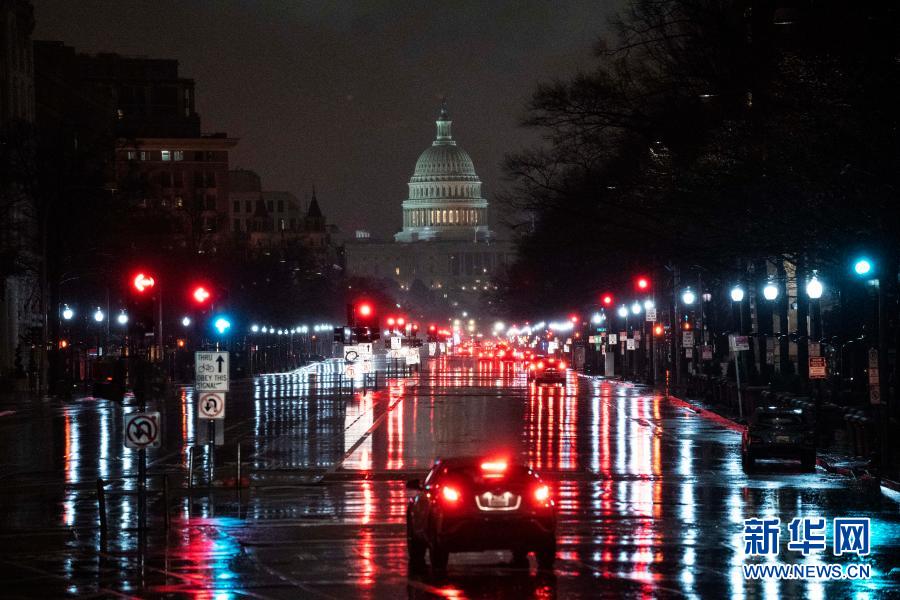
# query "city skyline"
(340, 127)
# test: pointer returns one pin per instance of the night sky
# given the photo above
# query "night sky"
(344, 94)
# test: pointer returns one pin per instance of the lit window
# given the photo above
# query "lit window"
(166, 155)
(143, 155)
(132, 155)
(396, 270)
(179, 154)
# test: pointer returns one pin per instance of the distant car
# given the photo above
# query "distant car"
(775, 432)
(471, 504)
(547, 369)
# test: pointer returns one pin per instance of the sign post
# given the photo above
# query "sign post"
(142, 430)
(739, 343)
(211, 370)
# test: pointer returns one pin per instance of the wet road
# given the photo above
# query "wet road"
(652, 497)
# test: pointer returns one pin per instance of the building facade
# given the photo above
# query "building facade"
(446, 245)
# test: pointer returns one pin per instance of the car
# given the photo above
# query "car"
(472, 504)
(777, 432)
(547, 369)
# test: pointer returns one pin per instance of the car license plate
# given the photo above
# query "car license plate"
(782, 439)
(499, 500)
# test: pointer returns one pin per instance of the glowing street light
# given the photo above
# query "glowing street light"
(770, 292)
(623, 311)
(222, 324)
(737, 293)
(636, 308)
(254, 328)
(99, 316)
(186, 321)
(596, 318)
(122, 318)
(68, 313)
(862, 266)
(688, 296)
(649, 304)
(814, 288)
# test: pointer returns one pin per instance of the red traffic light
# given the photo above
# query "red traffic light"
(432, 328)
(573, 318)
(200, 294)
(143, 282)
(364, 310)
(642, 283)
(391, 321)
(687, 326)
(401, 321)
(607, 299)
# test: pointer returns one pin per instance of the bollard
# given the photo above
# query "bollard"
(101, 509)
(237, 479)
(166, 501)
(190, 469)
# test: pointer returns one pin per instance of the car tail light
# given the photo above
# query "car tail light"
(531, 367)
(540, 365)
(562, 364)
(542, 493)
(450, 494)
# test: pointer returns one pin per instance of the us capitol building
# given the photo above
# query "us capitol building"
(446, 243)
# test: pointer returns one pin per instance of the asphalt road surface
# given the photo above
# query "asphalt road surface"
(651, 496)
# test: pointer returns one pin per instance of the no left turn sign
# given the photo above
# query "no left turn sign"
(211, 405)
(142, 430)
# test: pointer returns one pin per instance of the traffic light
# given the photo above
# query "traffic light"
(642, 283)
(200, 295)
(607, 299)
(364, 322)
(658, 330)
(688, 324)
(143, 282)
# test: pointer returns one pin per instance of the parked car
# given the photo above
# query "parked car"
(776, 432)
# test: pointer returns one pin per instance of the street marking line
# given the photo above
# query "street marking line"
(101, 590)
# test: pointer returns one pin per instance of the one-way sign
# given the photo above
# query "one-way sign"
(212, 371)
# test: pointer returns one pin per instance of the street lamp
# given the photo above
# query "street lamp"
(68, 313)
(254, 328)
(623, 311)
(99, 316)
(596, 318)
(770, 292)
(649, 304)
(186, 321)
(122, 318)
(814, 288)
(636, 308)
(737, 293)
(688, 297)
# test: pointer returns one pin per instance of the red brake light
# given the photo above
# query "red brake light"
(562, 364)
(540, 365)
(542, 493)
(495, 466)
(450, 494)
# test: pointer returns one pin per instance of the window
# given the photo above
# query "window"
(178, 179)
(281, 207)
(132, 155)
(179, 201)
(237, 225)
(178, 155)
(269, 205)
(210, 202)
(143, 155)
(248, 206)
(166, 155)
(236, 206)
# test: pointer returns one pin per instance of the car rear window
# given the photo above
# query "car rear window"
(477, 476)
(778, 420)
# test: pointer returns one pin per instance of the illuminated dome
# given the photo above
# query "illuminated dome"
(445, 201)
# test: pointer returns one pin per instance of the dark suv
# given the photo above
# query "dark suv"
(473, 504)
(775, 432)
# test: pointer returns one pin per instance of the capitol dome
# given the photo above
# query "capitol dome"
(445, 201)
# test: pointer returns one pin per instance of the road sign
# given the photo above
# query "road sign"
(351, 354)
(873, 358)
(412, 358)
(689, 353)
(706, 352)
(211, 405)
(142, 430)
(432, 348)
(817, 369)
(212, 371)
(396, 343)
(651, 315)
(367, 367)
(629, 344)
(350, 370)
(365, 350)
(687, 339)
(613, 339)
(739, 342)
